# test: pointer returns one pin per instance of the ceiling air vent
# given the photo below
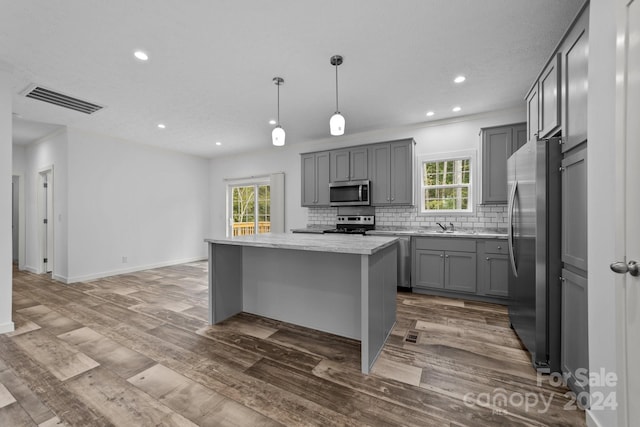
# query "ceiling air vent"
(61, 100)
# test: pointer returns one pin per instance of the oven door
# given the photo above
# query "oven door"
(351, 193)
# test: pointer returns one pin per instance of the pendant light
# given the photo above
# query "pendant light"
(336, 123)
(277, 135)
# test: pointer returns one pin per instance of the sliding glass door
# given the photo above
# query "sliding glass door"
(250, 209)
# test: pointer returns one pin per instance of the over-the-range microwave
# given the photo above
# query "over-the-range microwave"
(350, 193)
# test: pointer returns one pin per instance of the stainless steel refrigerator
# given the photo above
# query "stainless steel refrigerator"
(534, 250)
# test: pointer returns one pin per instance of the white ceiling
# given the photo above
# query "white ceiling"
(209, 77)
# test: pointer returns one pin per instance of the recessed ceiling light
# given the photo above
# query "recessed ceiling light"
(430, 113)
(142, 56)
(456, 109)
(218, 143)
(459, 79)
(272, 122)
(161, 125)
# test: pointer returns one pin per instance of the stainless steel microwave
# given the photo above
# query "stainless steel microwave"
(350, 193)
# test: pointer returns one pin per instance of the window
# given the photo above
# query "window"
(249, 208)
(446, 183)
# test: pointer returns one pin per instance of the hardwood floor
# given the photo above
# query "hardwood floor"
(136, 349)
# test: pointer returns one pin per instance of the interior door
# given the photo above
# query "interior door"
(628, 241)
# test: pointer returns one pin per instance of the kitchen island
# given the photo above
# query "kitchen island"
(345, 285)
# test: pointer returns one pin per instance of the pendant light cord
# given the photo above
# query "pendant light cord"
(337, 109)
(278, 84)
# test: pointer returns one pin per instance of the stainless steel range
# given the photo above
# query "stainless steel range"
(353, 224)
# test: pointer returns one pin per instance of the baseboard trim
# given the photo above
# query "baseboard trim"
(7, 327)
(30, 269)
(88, 277)
(591, 421)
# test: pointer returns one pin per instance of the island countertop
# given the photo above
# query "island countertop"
(348, 244)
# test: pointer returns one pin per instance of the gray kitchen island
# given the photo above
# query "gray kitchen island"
(345, 285)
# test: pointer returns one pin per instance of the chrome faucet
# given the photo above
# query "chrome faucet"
(451, 226)
(444, 227)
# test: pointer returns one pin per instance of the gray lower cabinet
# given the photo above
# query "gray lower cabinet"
(391, 173)
(574, 66)
(498, 143)
(315, 179)
(574, 331)
(493, 265)
(444, 263)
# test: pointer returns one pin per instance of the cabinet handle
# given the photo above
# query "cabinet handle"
(488, 258)
(446, 256)
(393, 198)
(499, 247)
(441, 256)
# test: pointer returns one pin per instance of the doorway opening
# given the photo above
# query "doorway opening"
(46, 219)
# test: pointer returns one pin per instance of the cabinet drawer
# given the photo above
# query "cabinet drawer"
(496, 247)
(446, 244)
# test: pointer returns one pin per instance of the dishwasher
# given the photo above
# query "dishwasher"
(404, 262)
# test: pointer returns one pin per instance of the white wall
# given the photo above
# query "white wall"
(131, 200)
(434, 137)
(6, 325)
(601, 206)
(50, 151)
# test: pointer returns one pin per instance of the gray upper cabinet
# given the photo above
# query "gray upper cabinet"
(549, 87)
(497, 144)
(575, 56)
(574, 209)
(315, 179)
(349, 164)
(533, 112)
(391, 173)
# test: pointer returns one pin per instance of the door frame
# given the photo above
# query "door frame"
(622, 281)
(42, 239)
(241, 182)
(21, 220)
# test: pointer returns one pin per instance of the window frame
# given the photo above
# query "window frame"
(471, 155)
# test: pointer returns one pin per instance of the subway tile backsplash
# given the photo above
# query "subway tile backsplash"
(485, 217)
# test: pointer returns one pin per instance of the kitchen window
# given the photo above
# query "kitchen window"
(446, 183)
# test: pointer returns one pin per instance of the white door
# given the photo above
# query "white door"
(628, 242)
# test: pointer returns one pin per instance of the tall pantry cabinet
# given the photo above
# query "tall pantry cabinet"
(560, 97)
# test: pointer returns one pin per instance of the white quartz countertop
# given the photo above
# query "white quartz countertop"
(348, 244)
(418, 232)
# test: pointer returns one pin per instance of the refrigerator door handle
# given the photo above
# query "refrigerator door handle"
(512, 198)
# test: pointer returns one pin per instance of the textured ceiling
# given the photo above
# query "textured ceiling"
(209, 77)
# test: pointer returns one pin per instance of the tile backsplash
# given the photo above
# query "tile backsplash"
(485, 216)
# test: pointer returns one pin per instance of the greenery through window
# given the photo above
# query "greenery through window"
(251, 209)
(446, 185)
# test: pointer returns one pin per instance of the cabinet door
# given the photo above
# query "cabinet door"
(339, 165)
(308, 185)
(460, 271)
(575, 56)
(401, 170)
(429, 269)
(574, 209)
(494, 164)
(519, 137)
(322, 179)
(380, 159)
(549, 85)
(574, 348)
(533, 112)
(359, 165)
(495, 273)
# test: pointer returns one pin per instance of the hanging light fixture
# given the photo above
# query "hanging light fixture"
(277, 135)
(336, 123)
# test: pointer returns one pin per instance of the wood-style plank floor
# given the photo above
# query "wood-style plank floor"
(136, 350)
